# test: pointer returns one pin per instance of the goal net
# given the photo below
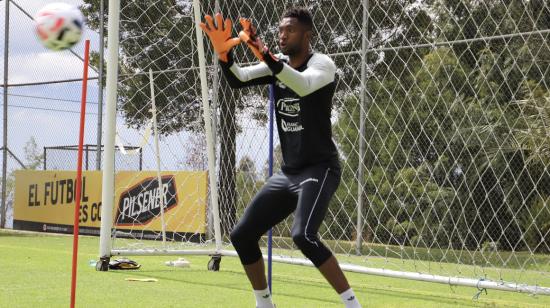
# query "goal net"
(441, 118)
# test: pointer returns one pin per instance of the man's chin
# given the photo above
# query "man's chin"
(287, 51)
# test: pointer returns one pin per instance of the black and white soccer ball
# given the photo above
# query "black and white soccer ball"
(59, 25)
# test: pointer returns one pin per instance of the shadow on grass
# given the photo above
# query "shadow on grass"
(396, 295)
(488, 259)
(244, 288)
(22, 233)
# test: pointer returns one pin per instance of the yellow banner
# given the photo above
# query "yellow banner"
(49, 197)
(137, 204)
(44, 200)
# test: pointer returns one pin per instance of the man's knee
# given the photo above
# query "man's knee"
(311, 247)
(237, 235)
(246, 245)
(240, 236)
(303, 240)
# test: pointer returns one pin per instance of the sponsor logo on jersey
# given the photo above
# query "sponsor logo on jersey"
(141, 203)
(291, 126)
(289, 106)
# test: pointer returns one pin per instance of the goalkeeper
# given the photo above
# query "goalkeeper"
(304, 84)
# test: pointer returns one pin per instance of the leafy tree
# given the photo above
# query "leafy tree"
(33, 155)
(503, 168)
(277, 161)
(195, 156)
(247, 183)
(34, 159)
(455, 135)
(161, 37)
(247, 167)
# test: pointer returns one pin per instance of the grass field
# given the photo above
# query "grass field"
(35, 271)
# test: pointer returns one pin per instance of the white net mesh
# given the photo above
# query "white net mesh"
(158, 36)
(441, 116)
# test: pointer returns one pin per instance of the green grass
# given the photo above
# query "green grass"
(501, 258)
(35, 270)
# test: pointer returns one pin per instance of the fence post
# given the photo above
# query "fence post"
(362, 116)
(107, 192)
(100, 85)
(87, 156)
(140, 159)
(5, 132)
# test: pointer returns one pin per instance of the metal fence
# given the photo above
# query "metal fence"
(65, 158)
(41, 95)
(441, 117)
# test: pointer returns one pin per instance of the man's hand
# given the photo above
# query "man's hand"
(221, 36)
(249, 36)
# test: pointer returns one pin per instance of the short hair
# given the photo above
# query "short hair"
(302, 14)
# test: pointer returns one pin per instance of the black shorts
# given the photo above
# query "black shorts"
(307, 194)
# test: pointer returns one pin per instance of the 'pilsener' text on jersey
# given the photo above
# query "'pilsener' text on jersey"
(303, 102)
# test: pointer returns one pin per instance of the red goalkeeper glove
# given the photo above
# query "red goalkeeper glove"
(220, 36)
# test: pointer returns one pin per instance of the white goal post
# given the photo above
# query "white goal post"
(108, 192)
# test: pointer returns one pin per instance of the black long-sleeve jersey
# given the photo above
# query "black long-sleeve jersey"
(303, 103)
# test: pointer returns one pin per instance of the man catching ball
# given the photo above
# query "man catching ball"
(304, 85)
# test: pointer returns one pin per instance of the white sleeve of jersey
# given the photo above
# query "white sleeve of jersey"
(321, 71)
(248, 73)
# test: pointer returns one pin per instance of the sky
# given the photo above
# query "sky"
(50, 113)
(29, 61)
(50, 121)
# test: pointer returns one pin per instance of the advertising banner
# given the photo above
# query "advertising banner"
(45, 200)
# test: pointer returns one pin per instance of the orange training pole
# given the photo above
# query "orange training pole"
(79, 170)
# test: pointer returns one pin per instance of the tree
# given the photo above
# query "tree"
(34, 158)
(247, 183)
(505, 162)
(277, 161)
(464, 120)
(247, 167)
(157, 37)
(195, 155)
(154, 37)
(33, 155)
(392, 77)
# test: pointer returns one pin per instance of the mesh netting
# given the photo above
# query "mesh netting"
(441, 117)
(66, 157)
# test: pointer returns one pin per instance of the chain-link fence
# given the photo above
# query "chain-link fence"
(41, 91)
(66, 157)
(440, 117)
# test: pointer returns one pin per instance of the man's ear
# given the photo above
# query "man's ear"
(309, 35)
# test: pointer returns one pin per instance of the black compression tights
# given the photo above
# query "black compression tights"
(307, 194)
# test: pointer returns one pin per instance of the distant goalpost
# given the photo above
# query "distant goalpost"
(108, 193)
(157, 71)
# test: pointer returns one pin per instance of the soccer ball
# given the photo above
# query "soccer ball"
(59, 25)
